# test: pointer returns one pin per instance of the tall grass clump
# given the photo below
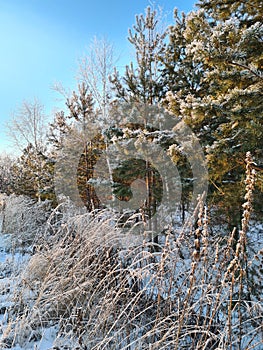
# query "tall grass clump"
(23, 219)
(106, 289)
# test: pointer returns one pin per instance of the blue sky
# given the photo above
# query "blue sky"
(42, 40)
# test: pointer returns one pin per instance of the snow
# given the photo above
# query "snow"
(45, 343)
(13, 263)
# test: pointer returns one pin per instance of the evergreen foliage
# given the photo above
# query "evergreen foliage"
(6, 174)
(141, 81)
(248, 12)
(33, 175)
(213, 74)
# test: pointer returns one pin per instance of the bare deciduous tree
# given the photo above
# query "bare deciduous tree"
(28, 126)
(94, 70)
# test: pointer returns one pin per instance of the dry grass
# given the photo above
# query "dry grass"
(24, 219)
(109, 290)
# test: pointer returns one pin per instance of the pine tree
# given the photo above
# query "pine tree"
(32, 175)
(6, 174)
(141, 85)
(58, 130)
(69, 135)
(213, 73)
(247, 12)
(183, 83)
(141, 81)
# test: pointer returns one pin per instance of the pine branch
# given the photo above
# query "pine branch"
(258, 75)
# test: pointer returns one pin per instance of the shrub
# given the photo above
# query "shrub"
(24, 219)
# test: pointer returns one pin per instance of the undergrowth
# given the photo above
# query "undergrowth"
(106, 289)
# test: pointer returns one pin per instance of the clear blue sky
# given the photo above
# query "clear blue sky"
(42, 40)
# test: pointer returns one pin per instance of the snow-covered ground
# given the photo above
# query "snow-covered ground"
(13, 263)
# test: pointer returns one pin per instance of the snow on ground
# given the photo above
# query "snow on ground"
(11, 265)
